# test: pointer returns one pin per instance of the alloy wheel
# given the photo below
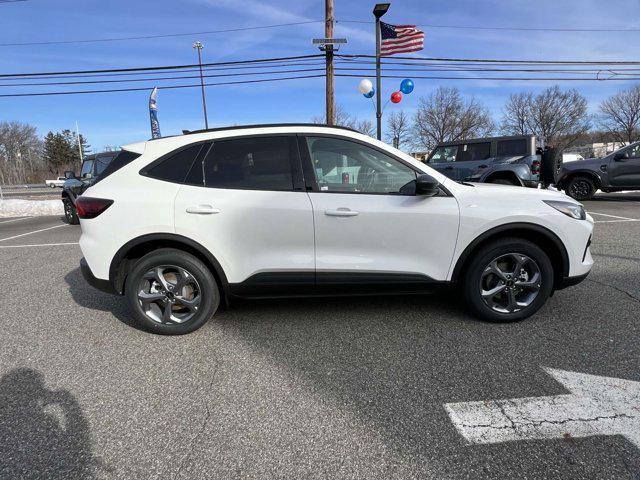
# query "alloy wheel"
(169, 294)
(510, 283)
(580, 188)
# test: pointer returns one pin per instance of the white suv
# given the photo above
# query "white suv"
(181, 225)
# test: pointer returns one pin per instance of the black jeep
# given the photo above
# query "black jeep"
(617, 171)
(513, 160)
(92, 167)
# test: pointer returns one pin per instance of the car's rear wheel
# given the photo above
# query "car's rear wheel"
(70, 213)
(508, 280)
(171, 292)
(581, 188)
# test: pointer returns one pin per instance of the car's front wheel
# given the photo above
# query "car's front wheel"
(171, 292)
(581, 188)
(508, 280)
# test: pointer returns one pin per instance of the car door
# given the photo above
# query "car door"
(471, 160)
(443, 160)
(365, 230)
(624, 168)
(244, 200)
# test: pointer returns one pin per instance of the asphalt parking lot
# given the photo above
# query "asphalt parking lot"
(321, 388)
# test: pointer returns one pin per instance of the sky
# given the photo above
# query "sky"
(118, 118)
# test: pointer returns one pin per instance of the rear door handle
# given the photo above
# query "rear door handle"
(202, 209)
(341, 212)
(448, 168)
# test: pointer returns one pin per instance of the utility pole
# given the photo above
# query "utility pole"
(79, 143)
(328, 33)
(199, 46)
(378, 11)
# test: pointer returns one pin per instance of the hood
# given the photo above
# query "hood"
(588, 163)
(509, 191)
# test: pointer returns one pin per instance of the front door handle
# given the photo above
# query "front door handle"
(341, 212)
(202, 209)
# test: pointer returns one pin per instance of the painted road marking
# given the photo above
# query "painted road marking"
(615, 216)
(39, 245)
(596, 406)
(14, 220)
(35, 231)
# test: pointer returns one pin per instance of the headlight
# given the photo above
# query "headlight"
(570, 209)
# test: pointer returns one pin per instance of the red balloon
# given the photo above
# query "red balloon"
(396, 97)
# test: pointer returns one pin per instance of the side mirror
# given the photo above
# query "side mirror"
(424, 185)
(87, 175)
(621, 157)
(69, 174)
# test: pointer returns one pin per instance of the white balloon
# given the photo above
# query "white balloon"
(365, 86)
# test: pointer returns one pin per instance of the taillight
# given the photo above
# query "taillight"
(89, 207)
(535, 167)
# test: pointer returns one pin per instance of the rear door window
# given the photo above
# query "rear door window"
(474, 152)
(251, 163)
(512, 148)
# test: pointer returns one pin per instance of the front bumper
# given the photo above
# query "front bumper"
(103, 285)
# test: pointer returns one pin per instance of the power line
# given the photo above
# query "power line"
(515, 29)
(164, 67)
(149, 88)
(148, 37)
(389, 60)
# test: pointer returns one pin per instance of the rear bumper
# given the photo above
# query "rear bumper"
(103, 285)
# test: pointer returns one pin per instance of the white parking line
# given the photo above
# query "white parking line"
(616, 216)
(35, 231)
(14, 220)
(39, 245)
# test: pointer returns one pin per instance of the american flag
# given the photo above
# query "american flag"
(400, 39)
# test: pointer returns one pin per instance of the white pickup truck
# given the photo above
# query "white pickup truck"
(58, 182)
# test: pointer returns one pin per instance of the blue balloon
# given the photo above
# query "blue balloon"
(370, 94)
(406, 86)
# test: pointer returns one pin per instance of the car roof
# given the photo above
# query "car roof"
(484, 139)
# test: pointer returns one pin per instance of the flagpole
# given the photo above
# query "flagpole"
(378, 11)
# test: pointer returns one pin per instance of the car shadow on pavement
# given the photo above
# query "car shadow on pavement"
(88, 297)
(43, 432)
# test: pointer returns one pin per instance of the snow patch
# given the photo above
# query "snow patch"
(30, 208)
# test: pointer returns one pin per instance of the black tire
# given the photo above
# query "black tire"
(581, 188)
(550, 166)
(205, 286)
(474, 276)
(70, 213)
(504, 181)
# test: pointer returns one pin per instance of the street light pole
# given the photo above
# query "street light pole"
(378, 11)
(199, 46)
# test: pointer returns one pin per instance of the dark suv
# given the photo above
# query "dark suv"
(506, 160)
(617, 171)
(92, 167)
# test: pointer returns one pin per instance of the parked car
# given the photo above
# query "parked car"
(92, 167)
(58, 182)
(617, 171)
(190, 222)
(513, 160)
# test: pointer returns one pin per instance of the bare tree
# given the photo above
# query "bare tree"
(20, 153)
(398, 128)
(559, 117)
(445, 116)
(345, 119)
(620, 115)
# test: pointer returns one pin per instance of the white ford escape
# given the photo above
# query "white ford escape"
(182, 224)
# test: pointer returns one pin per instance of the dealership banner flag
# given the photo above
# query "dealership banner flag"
(153, 113)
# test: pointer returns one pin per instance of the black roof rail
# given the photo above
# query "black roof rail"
(265, 125)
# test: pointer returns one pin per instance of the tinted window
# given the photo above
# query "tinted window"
(123, 158)
(102, 161)
(196, 175)
(175, 168)
(474, 151)
(509, 148)
(444, 154)
(634, 152)
(87, 168)
(255, 163)
(345, 166)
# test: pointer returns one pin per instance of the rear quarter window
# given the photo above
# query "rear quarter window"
(510, 148)
(176, 166)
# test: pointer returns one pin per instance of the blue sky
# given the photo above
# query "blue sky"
(118, 118)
